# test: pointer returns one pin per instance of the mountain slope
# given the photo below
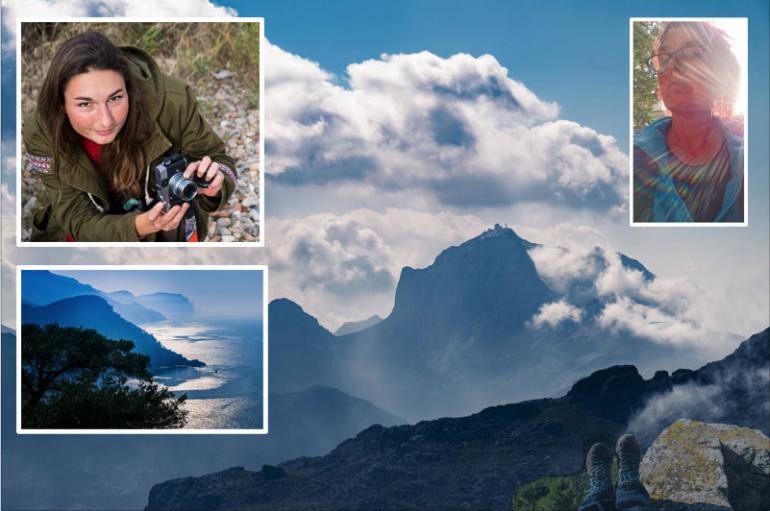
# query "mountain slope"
(41, 287)
(171, 305)
(309, 422)
(460, 336)
(127, 305)
(91, 311)
(473, 462)
(352, 327)
(302, 352)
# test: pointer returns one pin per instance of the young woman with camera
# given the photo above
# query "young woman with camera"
(105, 117)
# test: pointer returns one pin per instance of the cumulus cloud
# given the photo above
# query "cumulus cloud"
(554, 313)
(460, 129)
(617, 294)
(13, 9)
(651, 322)
(340, 267)
(337, 255)
(561, 267)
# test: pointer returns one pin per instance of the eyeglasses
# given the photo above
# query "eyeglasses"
(661, 62)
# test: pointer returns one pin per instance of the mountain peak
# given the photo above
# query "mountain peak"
(486, 283)
(498, 231)
(496, 236)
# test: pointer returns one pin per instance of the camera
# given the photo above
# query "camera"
(171, 187)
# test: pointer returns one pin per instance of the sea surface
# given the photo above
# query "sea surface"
(227, 392)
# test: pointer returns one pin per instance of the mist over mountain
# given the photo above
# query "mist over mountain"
(90, 311)
(126, 304)
(412, 365)
(352, 327)
(305, 423)
(42, 287)
(461, 335)
(171, 305)
(473, 462)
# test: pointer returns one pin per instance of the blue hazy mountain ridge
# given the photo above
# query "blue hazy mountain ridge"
(302, 352)
(90, 311)
(459, 333)
(132, 310)
(478, 461)
(171, 305)
(117, 472)
(41, 287)
(351, 327)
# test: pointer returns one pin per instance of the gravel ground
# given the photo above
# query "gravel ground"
(223, 102)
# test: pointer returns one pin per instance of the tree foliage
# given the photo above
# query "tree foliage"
(557, 493)
(551, 494)
(647, 105)
(77, 378)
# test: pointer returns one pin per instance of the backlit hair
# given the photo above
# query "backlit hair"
(721, 72)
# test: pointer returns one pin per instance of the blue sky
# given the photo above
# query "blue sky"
(337, 248)
(345, 211)
(574, 53)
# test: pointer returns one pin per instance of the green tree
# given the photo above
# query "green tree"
(646, 103)
(77, 378)
(551, 493)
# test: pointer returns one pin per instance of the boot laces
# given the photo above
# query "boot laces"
(598, 477)
(628, 468)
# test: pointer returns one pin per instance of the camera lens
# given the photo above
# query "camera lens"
(183, 188)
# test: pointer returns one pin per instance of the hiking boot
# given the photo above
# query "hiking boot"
(630, 493)
(599, 496)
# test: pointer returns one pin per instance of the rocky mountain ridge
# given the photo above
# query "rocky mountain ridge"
(454, 463)
(460, 333)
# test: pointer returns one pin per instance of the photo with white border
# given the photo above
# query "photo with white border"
(212, 350)
(230, 97)
(700, 181)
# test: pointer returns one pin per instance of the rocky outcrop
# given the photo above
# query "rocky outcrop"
(709, 467)
(473, 462)
(478, 461)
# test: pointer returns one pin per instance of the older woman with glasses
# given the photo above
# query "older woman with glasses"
(688, 167)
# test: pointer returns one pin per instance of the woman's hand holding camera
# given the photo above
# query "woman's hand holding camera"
(209, 171)
(156, 220)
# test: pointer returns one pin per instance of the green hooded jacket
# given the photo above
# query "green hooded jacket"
(78, 195)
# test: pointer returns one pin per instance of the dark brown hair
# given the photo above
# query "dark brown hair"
(122, 161)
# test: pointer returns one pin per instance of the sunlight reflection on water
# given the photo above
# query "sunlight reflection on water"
(227, 392)
(223, 413)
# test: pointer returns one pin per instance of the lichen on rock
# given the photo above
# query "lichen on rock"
(713, 466)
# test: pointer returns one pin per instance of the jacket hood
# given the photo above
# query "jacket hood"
(144, 69)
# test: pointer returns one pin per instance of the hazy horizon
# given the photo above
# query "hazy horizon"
(231, 294)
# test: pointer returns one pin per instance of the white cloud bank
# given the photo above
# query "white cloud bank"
(345, 267)
(14, 9)
(555, 313)
(458, 129)
(626, 298)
